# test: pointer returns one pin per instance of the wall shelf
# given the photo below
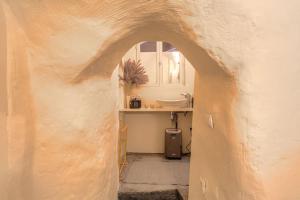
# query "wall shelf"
(157, 110)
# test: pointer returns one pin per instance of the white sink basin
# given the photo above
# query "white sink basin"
(172, 103)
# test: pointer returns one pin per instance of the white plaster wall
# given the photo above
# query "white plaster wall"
(260, 41)
(62, 136)
(55, 124)
(273, 92)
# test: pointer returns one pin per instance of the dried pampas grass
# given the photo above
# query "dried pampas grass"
(133, 73)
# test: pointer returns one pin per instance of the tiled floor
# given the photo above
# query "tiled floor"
(152, 172)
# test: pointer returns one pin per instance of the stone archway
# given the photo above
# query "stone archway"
(72, 101)
(215, 95)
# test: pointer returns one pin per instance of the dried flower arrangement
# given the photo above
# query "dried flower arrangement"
(133, 73)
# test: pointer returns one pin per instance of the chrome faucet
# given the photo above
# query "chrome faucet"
(188, 98)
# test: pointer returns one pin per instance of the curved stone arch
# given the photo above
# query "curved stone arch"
(111, 52)
(215, 95)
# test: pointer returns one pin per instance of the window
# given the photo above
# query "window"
(148, 46)
(163, 63)
(167, 47)
(147, 53)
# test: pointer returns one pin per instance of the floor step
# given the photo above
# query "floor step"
(155, 195)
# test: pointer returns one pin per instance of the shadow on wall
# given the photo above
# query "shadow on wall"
(20, 117)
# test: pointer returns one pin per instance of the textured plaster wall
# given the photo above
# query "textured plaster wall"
(62, 101)
(3, 108)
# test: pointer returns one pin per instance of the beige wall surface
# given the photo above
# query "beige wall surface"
(3, 107)
(62, 116)
(146, 131)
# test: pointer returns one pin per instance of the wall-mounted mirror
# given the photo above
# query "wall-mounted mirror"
(173, 65)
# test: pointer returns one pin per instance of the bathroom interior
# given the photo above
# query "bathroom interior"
(156, 87)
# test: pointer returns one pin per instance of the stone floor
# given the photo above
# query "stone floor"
(152, 172)
(158, 195)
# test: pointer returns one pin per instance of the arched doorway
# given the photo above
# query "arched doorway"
(70, 132)
(216, 149)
